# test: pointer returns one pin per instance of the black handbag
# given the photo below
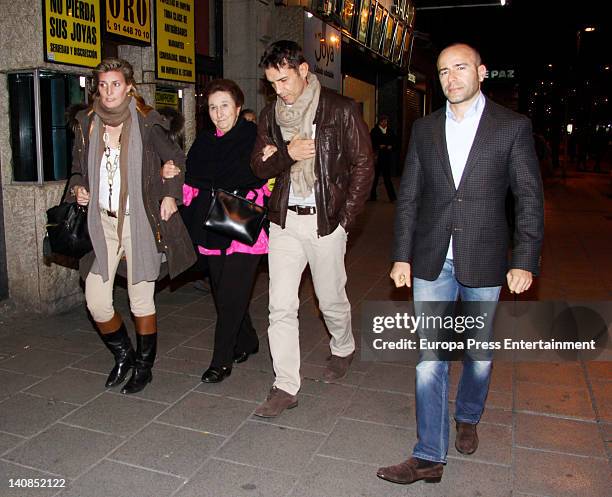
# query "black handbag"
(67, 232)
(235, 217)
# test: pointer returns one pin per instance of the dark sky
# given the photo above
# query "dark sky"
(525, 33)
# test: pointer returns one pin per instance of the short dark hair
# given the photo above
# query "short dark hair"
(226, 85)
(281, 53)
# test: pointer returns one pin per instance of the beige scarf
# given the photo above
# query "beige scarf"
(297, 119)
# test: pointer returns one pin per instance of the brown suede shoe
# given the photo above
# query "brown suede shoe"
(466, 441)
(409, 472)
(278, 400)
(337, 367)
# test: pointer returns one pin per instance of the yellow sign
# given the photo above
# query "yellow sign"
(166, 99)
(72, 32)
(129, 19)
(174, 35)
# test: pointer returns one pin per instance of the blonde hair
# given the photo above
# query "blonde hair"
(115, 64)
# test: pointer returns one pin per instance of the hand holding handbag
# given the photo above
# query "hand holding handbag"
(67, 232)
(235, 217)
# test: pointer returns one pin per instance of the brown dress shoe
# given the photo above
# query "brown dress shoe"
(409, 472)
(466, 441)
(278, 400)
(337, 367)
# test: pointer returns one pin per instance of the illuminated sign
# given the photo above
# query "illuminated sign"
(322, 52)
(500, 74)
(129, 19)
(72, 32)
(174, 35)
(166, 99)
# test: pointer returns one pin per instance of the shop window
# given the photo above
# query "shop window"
(41, 138)
(347, 14)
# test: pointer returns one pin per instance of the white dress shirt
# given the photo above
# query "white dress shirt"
(459, 139)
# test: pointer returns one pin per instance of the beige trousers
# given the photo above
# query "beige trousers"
(290, 250)
(99, 293)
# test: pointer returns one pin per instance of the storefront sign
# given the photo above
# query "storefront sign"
(174, 35)
(322, 44)
(72, 32)
(129, 19)
(166, 99)
(500, 74)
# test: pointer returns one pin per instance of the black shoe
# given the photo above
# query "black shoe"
(216, 375)
(146, 349)
(243, 356)
(121, 347)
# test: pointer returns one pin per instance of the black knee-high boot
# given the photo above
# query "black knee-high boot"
(115, 337)
(146, 349)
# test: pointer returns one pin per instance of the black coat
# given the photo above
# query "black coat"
(218, 162)
(430, 209)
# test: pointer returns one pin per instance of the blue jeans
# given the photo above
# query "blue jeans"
(432, 376)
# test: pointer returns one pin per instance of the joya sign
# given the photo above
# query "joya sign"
(322, 51)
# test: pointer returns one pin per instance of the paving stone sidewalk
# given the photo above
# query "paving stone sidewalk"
(546, 432)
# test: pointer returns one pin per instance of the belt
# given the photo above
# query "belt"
(306, 210)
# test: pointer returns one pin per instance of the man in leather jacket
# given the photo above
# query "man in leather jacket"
(318, 147)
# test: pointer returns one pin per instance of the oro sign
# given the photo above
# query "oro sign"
(129, 19)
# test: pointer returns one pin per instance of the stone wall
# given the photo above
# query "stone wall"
(249, 26)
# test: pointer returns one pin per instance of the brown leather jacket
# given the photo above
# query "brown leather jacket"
(343, 163)
(170, 236)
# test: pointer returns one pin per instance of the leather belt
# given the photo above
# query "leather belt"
(307, 210)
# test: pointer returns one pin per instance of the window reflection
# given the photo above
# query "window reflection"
(377, 29)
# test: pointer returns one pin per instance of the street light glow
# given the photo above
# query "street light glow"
(589, 29)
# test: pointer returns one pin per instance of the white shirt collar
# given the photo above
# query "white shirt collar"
(475, 109)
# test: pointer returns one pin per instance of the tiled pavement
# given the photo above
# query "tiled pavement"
(546, 432)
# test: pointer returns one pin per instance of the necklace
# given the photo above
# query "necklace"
(111, 166)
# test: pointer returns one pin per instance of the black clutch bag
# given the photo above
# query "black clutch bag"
(67, 232)
(235, 217)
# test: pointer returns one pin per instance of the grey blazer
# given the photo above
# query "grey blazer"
(430, 209)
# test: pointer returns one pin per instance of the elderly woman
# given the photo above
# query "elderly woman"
(120, 145)
(220, 159)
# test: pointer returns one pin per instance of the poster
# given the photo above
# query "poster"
(72, 32)
(129, 19)
(174, 35)
(322, 50)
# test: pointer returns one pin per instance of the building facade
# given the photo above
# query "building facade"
(44, 70)
(360, 48)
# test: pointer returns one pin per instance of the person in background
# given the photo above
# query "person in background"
(249, 115)
(221, 159)
(383, 144)
(119, 148)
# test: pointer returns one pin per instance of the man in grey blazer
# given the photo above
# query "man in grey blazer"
(452, 238)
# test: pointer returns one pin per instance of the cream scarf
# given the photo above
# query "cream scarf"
(297, 119)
